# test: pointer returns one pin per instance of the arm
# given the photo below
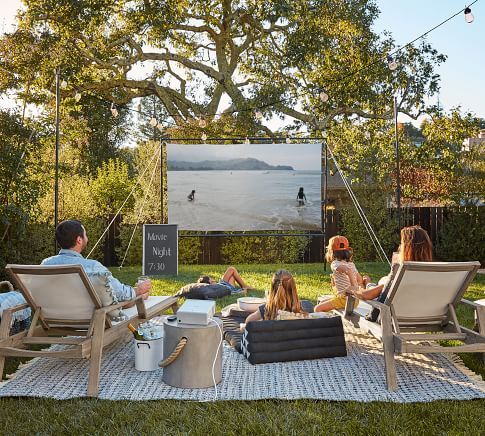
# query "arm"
(368, 294)
(255, 316)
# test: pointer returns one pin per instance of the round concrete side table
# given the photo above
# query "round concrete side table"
(192, 368)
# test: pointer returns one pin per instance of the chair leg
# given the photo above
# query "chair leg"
(96, 354)
(5, 325)
(481, 324)
(388, 346)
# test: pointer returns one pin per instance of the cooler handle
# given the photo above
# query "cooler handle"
(143, 343)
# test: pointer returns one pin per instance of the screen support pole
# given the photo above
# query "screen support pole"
(324, 203)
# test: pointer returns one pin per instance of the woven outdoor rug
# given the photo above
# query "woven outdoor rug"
(357, 377)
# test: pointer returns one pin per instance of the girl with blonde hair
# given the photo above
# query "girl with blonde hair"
(282, 296)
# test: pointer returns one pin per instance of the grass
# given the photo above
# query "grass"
(91, 416)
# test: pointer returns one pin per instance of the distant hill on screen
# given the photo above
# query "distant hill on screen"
(221, 165)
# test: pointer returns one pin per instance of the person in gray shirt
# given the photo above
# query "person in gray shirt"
(72, 238)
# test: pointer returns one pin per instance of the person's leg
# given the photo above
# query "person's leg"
(232, 276)
(337, 302)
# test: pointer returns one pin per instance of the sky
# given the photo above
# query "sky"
(462, 73)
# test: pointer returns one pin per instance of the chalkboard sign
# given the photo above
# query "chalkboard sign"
(160, 249)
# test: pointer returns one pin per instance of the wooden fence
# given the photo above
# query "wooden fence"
(430, 218)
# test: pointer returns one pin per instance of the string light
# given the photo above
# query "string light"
(114, 111)
(391, 63)
(202, 122)
(77, 97)
(63, 84)
(468, 15)
(153, 121)
(247, 141)
(323, 96)
(258, 114)
(203, 136)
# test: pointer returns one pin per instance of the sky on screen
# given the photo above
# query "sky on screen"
(462, 73)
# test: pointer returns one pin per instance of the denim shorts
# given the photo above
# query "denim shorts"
(228, 285)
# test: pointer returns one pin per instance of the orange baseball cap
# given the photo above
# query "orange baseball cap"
(340, 243)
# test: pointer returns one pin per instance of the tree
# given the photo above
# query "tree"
(22, 181)
(211, 56)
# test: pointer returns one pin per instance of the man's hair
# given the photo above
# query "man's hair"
(67, 233)
(204, 279)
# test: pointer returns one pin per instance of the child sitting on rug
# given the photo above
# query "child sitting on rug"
(345, 276)
(283, 296)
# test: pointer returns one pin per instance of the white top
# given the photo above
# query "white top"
(342, 281)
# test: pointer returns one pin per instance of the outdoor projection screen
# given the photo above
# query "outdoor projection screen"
(244, 187)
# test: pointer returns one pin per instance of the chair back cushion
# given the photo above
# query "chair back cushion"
(422, 291)
(60, 296)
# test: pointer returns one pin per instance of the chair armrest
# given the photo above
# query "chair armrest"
(471, 303)
(121, 305)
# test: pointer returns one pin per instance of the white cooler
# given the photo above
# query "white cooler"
(149, 353)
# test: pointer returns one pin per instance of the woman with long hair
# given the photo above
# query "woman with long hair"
(415, 245)
(282, 296)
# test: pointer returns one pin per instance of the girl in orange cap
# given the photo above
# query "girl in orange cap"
(345, 276)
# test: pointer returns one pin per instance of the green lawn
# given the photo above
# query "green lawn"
(27, 416)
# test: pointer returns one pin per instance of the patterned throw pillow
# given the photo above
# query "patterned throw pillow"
(100, 282)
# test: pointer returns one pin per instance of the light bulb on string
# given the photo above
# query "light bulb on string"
(203, 136)
(323, 96)
(247, 141)
(78, 96)
(391, 63)
(202, 122)
(258, 115)
(153, 121)
(468, 15)
(114, 111)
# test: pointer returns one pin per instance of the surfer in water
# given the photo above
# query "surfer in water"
(301, 197)
(191, 196)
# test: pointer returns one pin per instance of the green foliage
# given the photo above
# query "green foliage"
(383, 224)
(22, 182)
(462, 235)
(189, 250)
(111, 188)
(264, 249)
(251, 54)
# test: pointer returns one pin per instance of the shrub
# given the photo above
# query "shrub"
(264, 249)
(462, 235)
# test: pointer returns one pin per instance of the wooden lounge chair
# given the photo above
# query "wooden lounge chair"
(66, 310)
(421, 306)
